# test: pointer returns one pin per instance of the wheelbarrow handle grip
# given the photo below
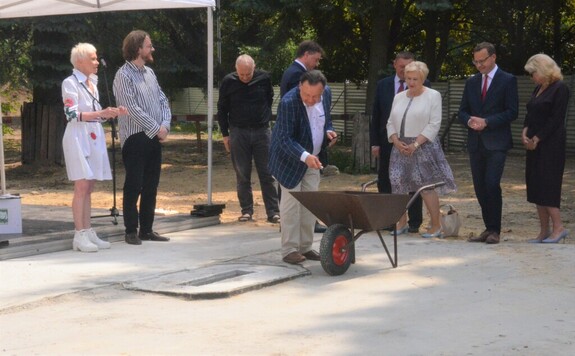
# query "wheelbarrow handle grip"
(418, 192)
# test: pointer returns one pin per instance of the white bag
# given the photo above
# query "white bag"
(450, 220)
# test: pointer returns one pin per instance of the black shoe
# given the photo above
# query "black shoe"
(413, 230)
(319, 228)
(275, 219)
(4, 243)
(153, 236)
(132, 239)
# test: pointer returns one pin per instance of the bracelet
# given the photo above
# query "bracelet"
(80, 116)
(415, 144)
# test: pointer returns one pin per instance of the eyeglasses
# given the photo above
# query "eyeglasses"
(480, 62)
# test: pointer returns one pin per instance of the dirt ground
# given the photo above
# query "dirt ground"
(184, 184)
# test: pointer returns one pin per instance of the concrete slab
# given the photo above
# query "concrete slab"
(217, 281)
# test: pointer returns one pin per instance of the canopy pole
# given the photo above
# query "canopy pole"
(2, 168)
(210, 98)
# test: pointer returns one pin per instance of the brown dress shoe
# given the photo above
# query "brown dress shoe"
(153, 236)
(294, 258)
(493, 238)
(481, 238)
(312, 255)
(132, 239)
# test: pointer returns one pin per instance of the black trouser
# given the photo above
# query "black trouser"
(247, 144)
(142, 158)
(384, 186)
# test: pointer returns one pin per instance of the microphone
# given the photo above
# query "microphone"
(103, 61)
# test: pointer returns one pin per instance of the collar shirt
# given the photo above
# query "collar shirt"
(490, 76)
(77, 97)
(148, 108)
(301, 64)
(316, 117)
(397, 82)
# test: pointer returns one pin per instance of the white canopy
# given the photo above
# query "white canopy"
(33, 8)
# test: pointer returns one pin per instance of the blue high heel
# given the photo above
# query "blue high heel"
(427, 235)
(562, 236)
(538, 241)
(401, 231)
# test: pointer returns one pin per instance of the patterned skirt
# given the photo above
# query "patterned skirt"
(426, 166)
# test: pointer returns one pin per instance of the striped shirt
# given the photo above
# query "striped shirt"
(148, 108)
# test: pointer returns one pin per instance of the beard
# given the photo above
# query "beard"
(149, 59)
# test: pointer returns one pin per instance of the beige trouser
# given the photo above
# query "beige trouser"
(297, 223)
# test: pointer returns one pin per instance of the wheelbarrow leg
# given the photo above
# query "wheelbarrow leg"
(394, 259)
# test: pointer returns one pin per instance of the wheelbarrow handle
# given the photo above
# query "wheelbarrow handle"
(367, 184)
(418, 192)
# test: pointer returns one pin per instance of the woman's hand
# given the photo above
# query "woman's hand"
(402, 147)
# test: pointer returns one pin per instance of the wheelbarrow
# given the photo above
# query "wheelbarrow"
(344, 212)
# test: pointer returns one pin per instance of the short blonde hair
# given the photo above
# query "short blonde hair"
(418, 67)
(545, 66)
(81, 51)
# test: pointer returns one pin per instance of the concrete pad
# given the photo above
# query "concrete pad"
(446, 298)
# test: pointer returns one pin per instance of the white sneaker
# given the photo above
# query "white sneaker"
(82, 242)
(96, 240)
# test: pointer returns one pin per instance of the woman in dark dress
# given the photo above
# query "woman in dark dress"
(544, 139)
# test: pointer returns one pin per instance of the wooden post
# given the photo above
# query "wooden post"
(361, 149)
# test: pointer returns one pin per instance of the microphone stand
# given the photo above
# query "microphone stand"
(114, 212)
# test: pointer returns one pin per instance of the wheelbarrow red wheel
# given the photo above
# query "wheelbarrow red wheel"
(335, 258)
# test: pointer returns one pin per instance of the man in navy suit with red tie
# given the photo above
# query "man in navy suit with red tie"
(386, 90)
(488, 106)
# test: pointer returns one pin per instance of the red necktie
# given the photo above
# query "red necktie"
(401, 87)
(484, 90)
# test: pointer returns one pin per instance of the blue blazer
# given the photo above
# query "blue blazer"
(384, 94)
(291, 77)
(291, 136)
(500, 108)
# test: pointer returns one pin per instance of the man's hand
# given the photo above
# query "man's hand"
(227, 143)
(375, 151)
(477, 123)
(332, 137)
(313, 162)
(162, 134)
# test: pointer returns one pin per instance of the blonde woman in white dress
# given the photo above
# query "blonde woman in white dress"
(84, 141)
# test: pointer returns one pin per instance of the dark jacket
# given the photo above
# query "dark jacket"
(499, 108)
(291, 136)
(245, 105)
(291, 78)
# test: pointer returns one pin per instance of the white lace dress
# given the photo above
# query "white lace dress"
(84, 143)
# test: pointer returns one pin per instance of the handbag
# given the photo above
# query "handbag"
(450, 220)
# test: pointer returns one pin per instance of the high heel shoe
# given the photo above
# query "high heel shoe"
(562, 236)
(82, 242)
(93, 237)
(401, 231)
(428, 235)
(538, 241)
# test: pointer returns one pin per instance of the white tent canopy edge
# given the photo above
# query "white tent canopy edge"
(35, 8)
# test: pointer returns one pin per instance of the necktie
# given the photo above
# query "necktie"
(484, 90)
(401, 87)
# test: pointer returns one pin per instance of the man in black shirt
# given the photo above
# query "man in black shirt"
(244, 111)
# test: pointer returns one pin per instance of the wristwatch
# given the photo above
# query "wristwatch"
(415, 144)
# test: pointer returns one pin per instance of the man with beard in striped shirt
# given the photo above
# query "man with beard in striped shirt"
(141, 133)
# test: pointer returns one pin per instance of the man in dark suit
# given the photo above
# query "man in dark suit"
(386, 90)
(488, 106)
(303, 128)
(308, 55)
